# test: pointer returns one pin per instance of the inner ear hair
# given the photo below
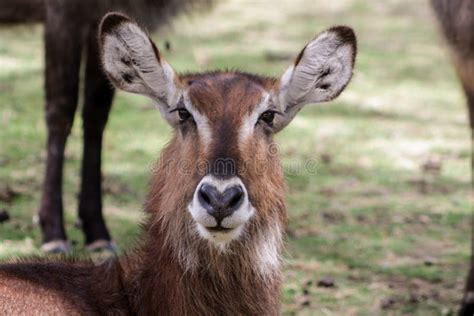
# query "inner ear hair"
(133, 63)
(320, 73)
(126, 50)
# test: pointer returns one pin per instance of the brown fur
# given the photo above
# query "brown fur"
(173, 271)
(456, 18)
(69, 287)
(233, 285)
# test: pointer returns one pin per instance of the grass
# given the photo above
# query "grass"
(393, 237)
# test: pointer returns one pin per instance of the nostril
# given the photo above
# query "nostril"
(209, 197)
(235, 200)
(203, 195)
(232, 197)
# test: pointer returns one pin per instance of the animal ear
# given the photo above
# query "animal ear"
(320, 73)
(133, 63)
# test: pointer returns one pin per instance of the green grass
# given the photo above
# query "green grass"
(366, 215)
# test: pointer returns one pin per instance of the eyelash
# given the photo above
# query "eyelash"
(183, 114)
(265, 116)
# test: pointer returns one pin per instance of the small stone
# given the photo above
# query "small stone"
(303, 301)
(306, 302)
(326, 282)
(332, 217)
(388, 302)
(414, 298)
(4, 216)
(432, 165)
(7, 194)
(326, 158)
(424, 219)
(429, 261)
(306, 286)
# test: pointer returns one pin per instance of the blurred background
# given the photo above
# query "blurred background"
(381, 224)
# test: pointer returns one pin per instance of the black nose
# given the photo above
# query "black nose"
(220, 204)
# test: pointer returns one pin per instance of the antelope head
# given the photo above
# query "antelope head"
(224, 122)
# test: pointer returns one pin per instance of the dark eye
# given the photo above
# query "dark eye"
(184, 115)
(267, 117)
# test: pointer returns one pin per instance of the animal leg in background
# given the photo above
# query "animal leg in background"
(467, 306)
(63, 48)
(98, 96)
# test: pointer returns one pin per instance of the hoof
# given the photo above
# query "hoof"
(102, 245)
(56, 246)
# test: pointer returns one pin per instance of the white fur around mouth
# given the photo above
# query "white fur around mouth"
(219, 238)
(233, 223)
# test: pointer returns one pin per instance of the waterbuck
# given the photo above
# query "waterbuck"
(456, 18)
(70, 33)
(216, 211)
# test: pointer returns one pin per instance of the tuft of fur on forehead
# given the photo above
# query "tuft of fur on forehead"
(264, 81)
(216, 91)
(226, 104)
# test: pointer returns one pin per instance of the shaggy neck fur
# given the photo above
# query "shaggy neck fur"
(179, 273)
